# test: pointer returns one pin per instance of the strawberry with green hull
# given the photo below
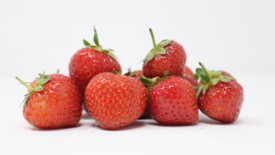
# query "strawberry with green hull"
(52, 102)
(168, 55)
(115, 101)
(90, 61)
(172, 100)
(219, 95)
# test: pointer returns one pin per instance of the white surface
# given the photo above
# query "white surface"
(236, 36)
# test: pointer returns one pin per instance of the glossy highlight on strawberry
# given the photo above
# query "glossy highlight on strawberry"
(115, 101)
(220, 96)
(168, 55)
(172, 100)
(55, 105)
(88, 62)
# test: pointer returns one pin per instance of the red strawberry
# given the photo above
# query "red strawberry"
(88, 62)
(115, 101)
(168, 55)
(136, 74)
(188, 71)
(172, 100)
(188, 76)
(222, 95)
(52, 102)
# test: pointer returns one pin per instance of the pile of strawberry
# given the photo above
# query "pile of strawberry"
(165, 89)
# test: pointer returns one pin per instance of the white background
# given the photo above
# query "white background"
(236, 36)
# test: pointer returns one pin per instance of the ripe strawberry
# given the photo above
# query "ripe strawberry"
(115, 101)
(136, 74)
(172, 100)
(188, 76)
(222, 95)
(168, 55)
(52, 102)
(88, 62)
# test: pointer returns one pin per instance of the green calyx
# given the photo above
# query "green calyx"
(208, 78)
(131, 72)
(117, 73)
(158, 48)
(98, 47)
(150, 82)
(37, 87)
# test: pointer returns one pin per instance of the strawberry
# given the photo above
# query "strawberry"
(188, 75)
(188, 71)
(168, 55)
(220, 96)
(172, 100)
(88, 62)
(136, 74)
(115, 101)
(52, 102)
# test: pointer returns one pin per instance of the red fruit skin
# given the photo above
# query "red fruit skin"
(115, 101)
(86, 63)
(188, 75)
(173, 61)
(137, 74)
(173, 101)
(188, 71)
(56, 106)
(223, 101)
(146, 113)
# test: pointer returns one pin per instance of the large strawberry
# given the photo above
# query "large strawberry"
(88, 62)
(172, 100)
(188, 75)
(168, 55)
(115, 101)
(220, 96)
(52, 102)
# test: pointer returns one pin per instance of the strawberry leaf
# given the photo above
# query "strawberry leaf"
(96, 40)
(199, 71)
(164, 43)
(214, 81)
(219, 72)
(196, 76)
(86, 43)
(161, 51)
(205, 77)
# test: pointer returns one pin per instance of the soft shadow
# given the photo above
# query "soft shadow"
(136, 124)
(171, 125)
(207, 120)
(85, 115)
(65, 128)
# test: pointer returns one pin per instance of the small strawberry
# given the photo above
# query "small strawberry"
(115, 101)
(188, 75)
(89, 61)
(52, 102)
(172, 100)
(136, 74)
(168, 55)
(222, 96)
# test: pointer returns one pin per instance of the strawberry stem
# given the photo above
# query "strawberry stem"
(153, 38)
(25, 84)
(204, 69)
(57, 72)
